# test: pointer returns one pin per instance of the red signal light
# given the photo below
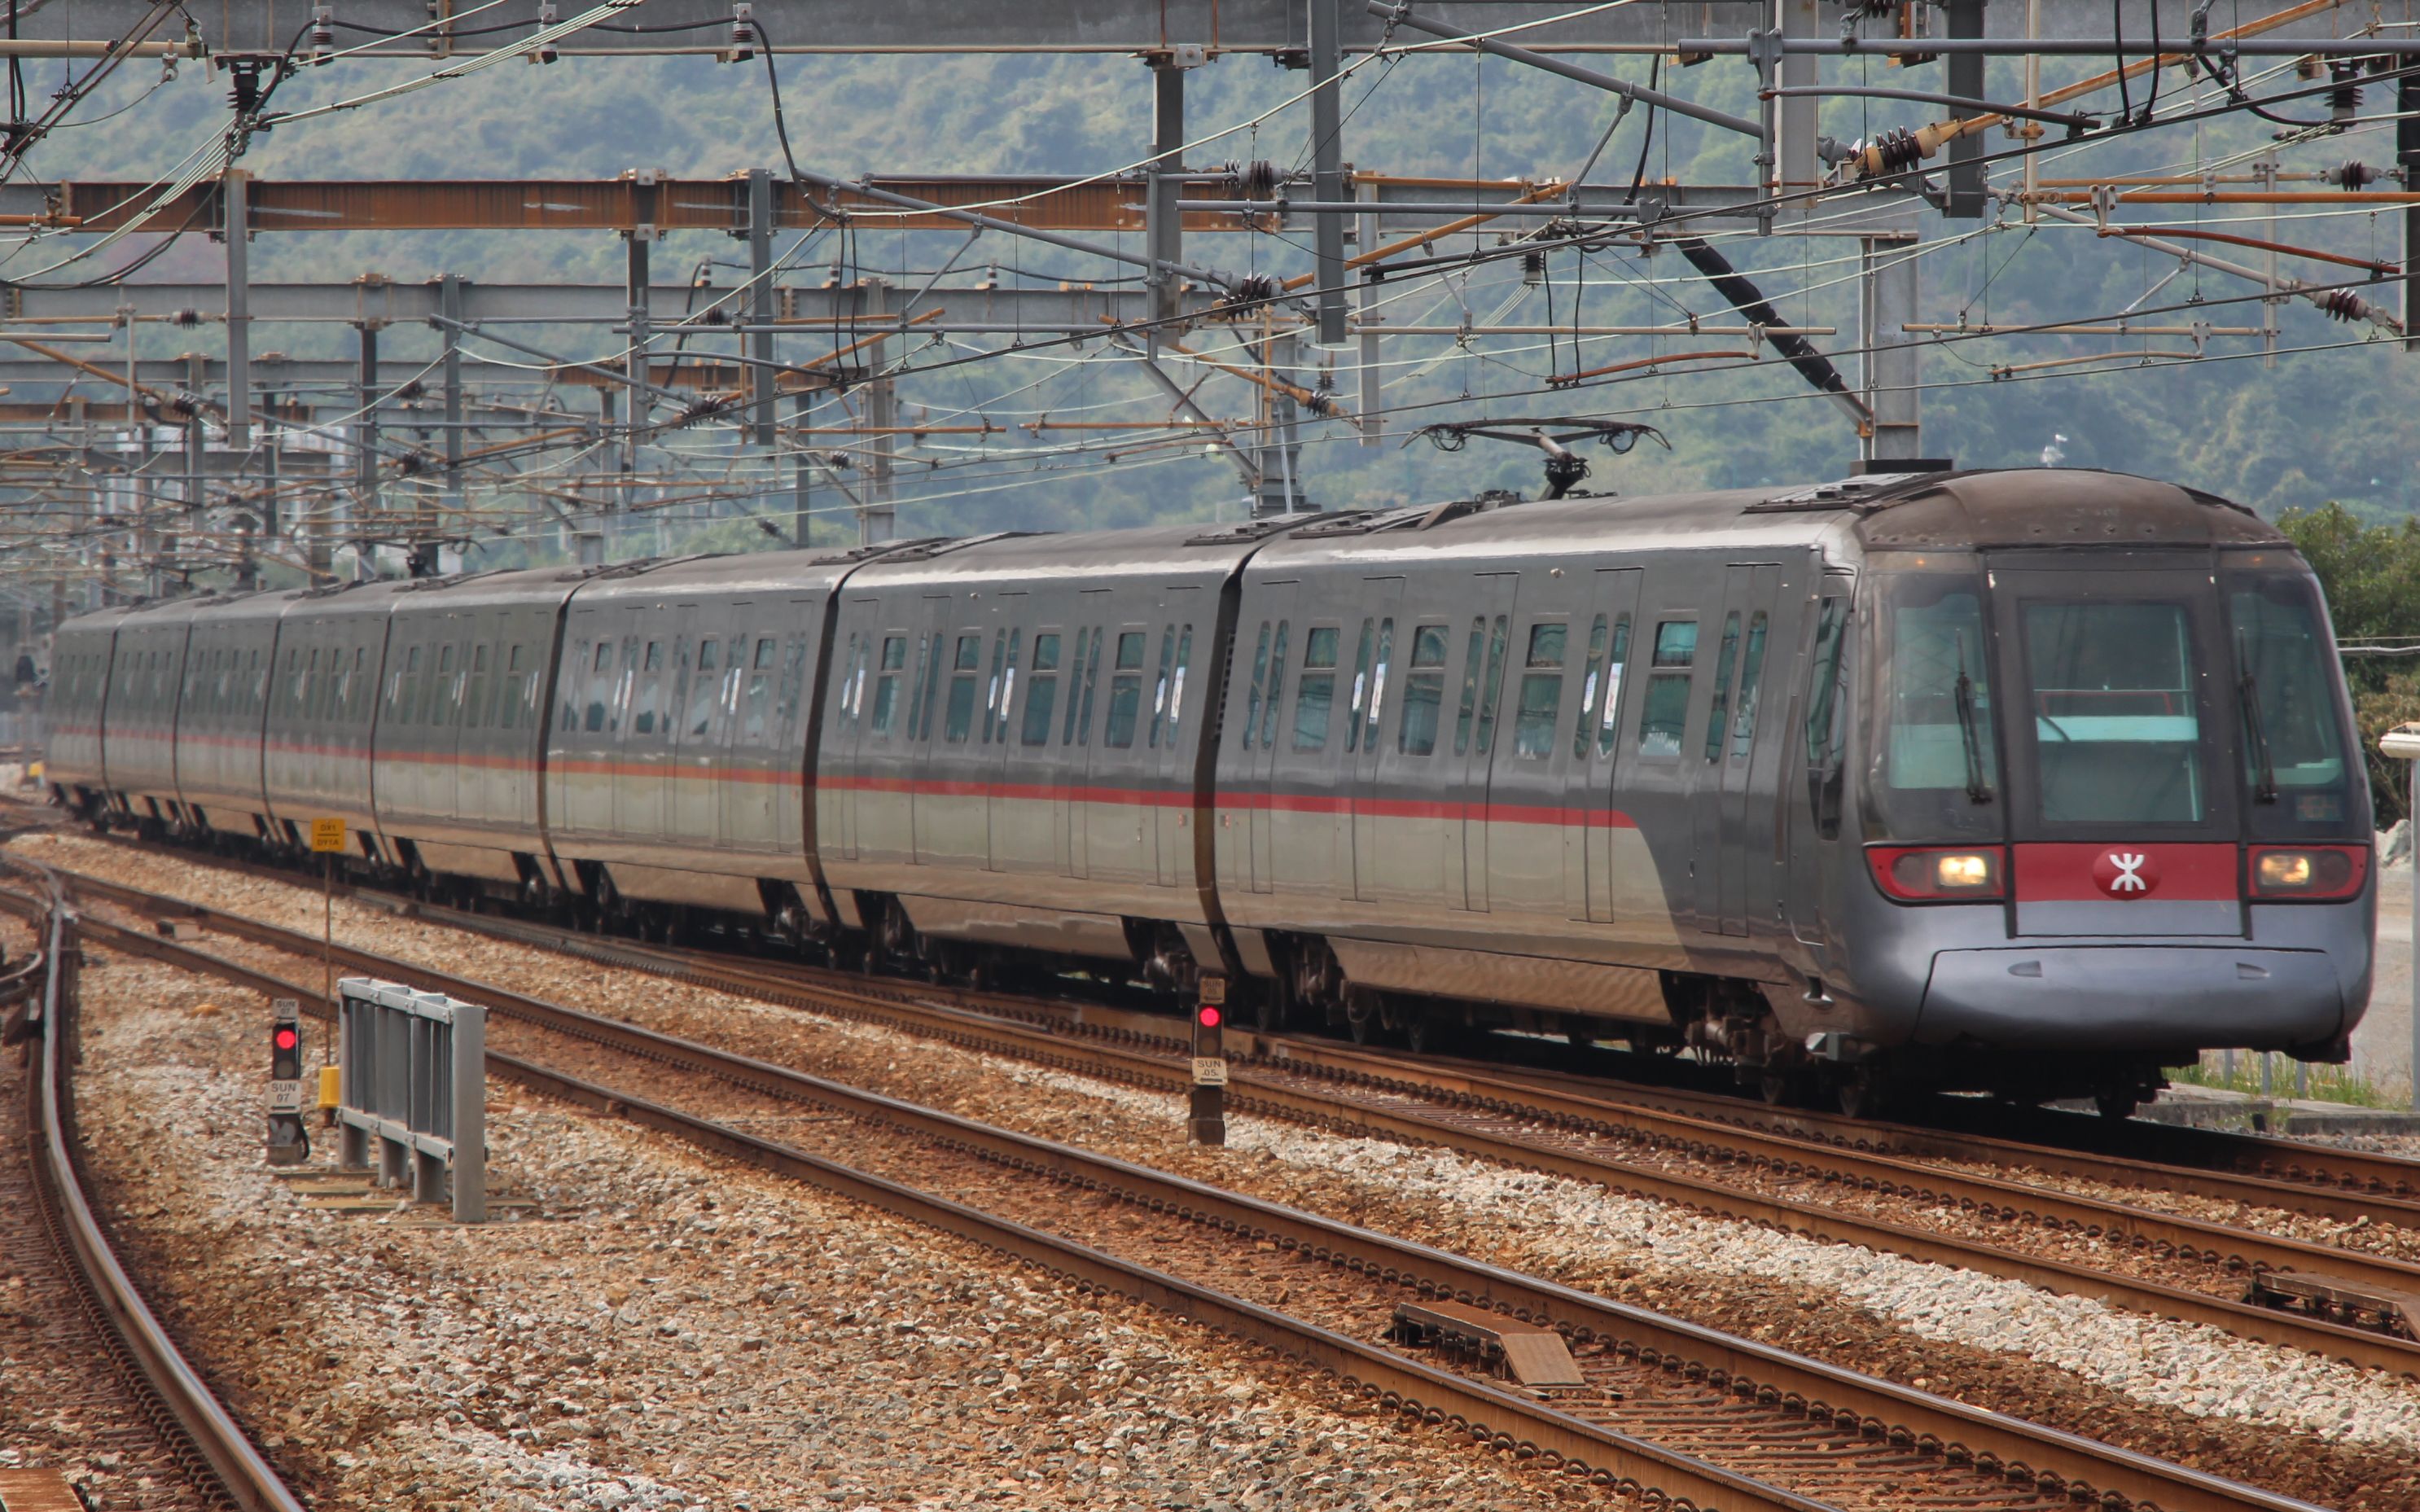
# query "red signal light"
(288, 1038)
(1210, 1017)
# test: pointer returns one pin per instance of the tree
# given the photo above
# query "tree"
(2371, 577)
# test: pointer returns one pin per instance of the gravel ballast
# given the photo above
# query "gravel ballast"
(672, 1331)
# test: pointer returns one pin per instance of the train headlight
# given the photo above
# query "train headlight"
(1936, 873)
(2319, 872)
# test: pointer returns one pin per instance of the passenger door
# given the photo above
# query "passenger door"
(1486, 642)
(1077, 728)
(1171, 755)
(1599, 730)
(1373, 664)
(1264, 732)
(1719, 805)
(1817, 730)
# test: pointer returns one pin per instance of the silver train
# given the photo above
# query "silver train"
(2028, 782)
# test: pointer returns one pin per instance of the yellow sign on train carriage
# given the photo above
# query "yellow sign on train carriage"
(327, 833)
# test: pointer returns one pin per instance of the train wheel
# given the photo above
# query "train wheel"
(1777, 1086)
(1861, 1091)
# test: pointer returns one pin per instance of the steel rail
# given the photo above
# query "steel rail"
(243, 1476)
(1255, 1091)
(2086, 1469)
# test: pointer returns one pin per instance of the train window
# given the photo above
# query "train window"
(1126, 691)
(794, 681)
(475, 708)
(1360, 689)
(1471, 661)
(312, 685)
(1589, 688)
(886, 686)
(1008, 687)
(758, 699)
(290, 699)
(701, 694)
(1718, 717)
(407, 686)
(1378, 681)
(2118, 733)
(1423, 693)
(932, 685)
(1042, 697)
(1541, 707)
(600, 681)
(847, 676)
(1490, 684)
(1260, 683)
(508, 716)
(1159, 689)
(2293, 747)
(1080, 711)
(1176, 688)
(1617, 658)
(959, 719)
(1751, 678)
(1277, 688)
(992, 685)
(764, 654)
(649, 696)
(925, 645)
(1665, 717)
(1315, 690)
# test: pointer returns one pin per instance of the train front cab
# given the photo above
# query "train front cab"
(2109, 811)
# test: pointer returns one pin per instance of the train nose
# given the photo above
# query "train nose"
(2133, 998)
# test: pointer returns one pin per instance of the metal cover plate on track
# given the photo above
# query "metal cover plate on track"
(2340, 1299)
(1530, 1354)
(37, 1491)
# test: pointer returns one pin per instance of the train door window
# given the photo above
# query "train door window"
(1718, 717)
(289, 699)
(1176, 686)
(475, 707)
(886, 686)
(259, 679)
(932, 683)
(1491, 683)
(1078, 729)
(1277, 689)
(516, 686)
(1315, 689)
(1378, 682)
(313, 683)
(1259, 684)
(360, 694)
(759, 698)
(959, 717)
(991, 684)
(1608, 722)
(1751, 679)
(1473, 658)
(926, 646)
(1826, 731)
(407, 686)
(1360, 687)
(600, 682)
(1669, 671)
(1423, 693)
(1591, 686)
(1042, 695)
(1159, 687)
(650, 694)
(701, 689)
(1541, 707)
(1126, 691)
(794, 681)
(1007, 687)
(849, 669)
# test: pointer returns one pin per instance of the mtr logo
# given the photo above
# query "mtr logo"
(2126, 873)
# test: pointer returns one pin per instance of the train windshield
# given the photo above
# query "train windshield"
(1933, 767)
(2115, 729)
(2294, 738)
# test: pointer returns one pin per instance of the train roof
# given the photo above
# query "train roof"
(1170, 551)
(812, 570)
(2057, 507)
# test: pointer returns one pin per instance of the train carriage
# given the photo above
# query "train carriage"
(232, 648)
(462, 727)
(321, 710)
(139, 716)
(677, 760)
(83, 658)
(1013, 748)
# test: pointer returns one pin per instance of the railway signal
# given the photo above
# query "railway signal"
(1208, 1124)
(288, 1144)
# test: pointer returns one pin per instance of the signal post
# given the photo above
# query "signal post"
(1208, 1121)
(288, 1144)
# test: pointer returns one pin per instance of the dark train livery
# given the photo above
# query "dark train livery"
(2023, 780)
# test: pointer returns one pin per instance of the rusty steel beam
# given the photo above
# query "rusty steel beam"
(1051, 203)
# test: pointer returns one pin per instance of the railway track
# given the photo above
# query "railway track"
(1665, 1410)
(142, 1415)
(2168, 1266)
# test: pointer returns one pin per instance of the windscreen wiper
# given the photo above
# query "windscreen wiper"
(1962, 694)
(2264, 791)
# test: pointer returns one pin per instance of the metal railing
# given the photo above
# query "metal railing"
(414, 1080)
